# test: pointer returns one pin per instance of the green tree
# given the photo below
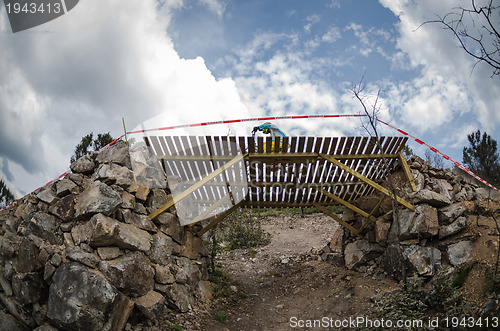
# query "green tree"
(89, 144)
(6, 196)
(482, 156)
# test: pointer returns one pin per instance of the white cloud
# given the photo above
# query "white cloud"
(84, 71)
(447, 87)
(216, 6)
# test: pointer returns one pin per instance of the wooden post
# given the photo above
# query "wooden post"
(125, 130)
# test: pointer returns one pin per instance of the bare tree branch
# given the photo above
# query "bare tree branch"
(483, 41)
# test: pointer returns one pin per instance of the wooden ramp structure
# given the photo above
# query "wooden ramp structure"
(210, 177)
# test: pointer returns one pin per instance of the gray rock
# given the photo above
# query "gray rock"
(75, 178)
(109, 253)
(192, 246)
(418, 178)
(47, 195)
(163, 275)
(64, 208)
(156, 199)
(83, 300)
(459, 252)
(425, 261)
(170, 225)
(45, 328)
(48, 271)
(430, 197)
(483, 193)
(453, 228)
(179, 298)
(360, 252)
(65, 187)
(97, 197)
(4, 283)
(105, 231)
(444, 188)
(132, 274)
(191, 270)
(151, 304)
(9, 323)
(27, 260)
(161, 249)
(128, 200)
(421, 223)
(44, 226)
(111, 173)
(78, 255)
(450, 213)
(117, 153)
(28, 287)
(84, 165)
(143, 222)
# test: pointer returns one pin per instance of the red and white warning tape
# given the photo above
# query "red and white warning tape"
(62, 175)
(270, 118)
(273, 118)
(446, 157)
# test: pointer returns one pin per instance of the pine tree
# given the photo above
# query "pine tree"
(482, 156)
(6, 196)
(88, 144)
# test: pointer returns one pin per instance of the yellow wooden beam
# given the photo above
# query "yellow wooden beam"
(220, 218)
(196, 186)
(407, 171)
(210, 209)
(366, 180)
(338, 219)
(348, 205)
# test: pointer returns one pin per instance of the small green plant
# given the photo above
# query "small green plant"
(260, 281)
(221, 283)
(245, 231)
(176, 327)
(221, 317)
(460, 277)
(492, 283)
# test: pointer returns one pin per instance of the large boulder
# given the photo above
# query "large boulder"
(117, 153)
(421, 223)
(132, 274)
(450, 213)
(97, 197)
(360, 252)
(429, 197)
(44, 226)
(425, 261)
(459, 252)
(105, 231)
(111, 173)
(83, 300)
(453, 228)
(84, 165)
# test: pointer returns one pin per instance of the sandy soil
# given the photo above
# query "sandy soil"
(285, 283)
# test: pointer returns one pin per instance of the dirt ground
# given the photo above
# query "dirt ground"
(285, 284)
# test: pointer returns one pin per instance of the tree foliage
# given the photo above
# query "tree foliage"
(476, 28)
(482, 156)
(89, 144)
(6, 196)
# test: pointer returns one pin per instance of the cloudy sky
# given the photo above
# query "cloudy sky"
(158, 63)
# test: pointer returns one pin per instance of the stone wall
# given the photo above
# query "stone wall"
(82, 254)
(432, 236)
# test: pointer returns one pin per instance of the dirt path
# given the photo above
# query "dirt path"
(285, 285)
